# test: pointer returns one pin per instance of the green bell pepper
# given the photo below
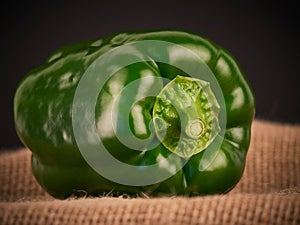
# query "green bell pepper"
(182, 122)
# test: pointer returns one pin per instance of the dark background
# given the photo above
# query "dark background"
(263, 37)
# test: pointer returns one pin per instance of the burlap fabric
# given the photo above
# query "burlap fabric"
(269, 192)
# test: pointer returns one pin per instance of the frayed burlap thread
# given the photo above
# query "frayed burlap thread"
(269, 192)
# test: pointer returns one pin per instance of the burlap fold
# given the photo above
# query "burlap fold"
(269, 192)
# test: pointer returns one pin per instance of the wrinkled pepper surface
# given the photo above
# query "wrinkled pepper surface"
(183, 119)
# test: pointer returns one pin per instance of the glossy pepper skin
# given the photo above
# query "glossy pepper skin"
(43, 120)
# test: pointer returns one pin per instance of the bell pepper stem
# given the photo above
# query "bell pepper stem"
(195, 128)
(186, 116)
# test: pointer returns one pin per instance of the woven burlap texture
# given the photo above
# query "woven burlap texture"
(269, 192)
